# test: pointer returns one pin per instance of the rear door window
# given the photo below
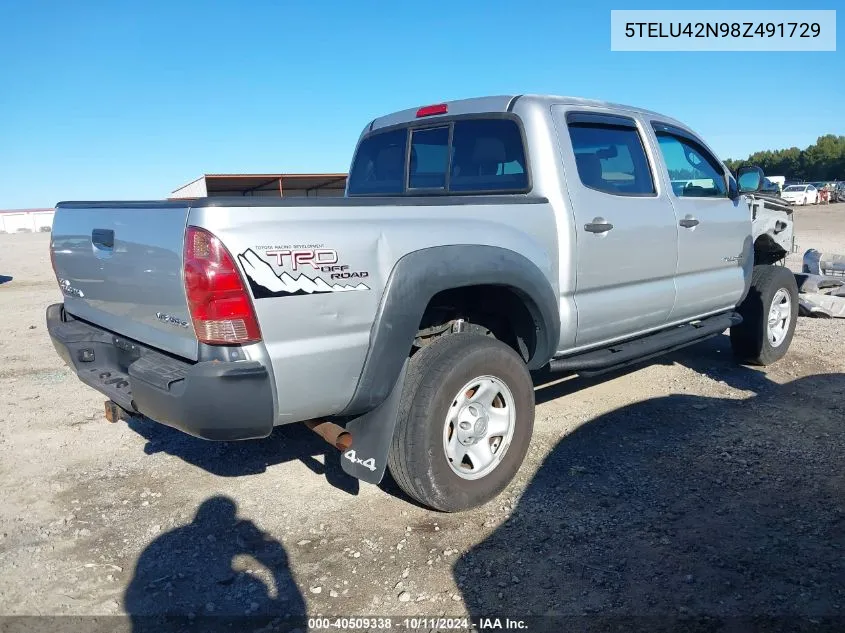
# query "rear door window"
(610, 156)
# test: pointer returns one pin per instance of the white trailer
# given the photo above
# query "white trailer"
(26, 220)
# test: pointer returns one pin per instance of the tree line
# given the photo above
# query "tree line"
(824, 160)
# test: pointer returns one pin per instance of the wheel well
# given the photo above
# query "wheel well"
(498, 311)
(767, 251)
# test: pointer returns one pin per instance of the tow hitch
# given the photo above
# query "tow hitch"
(116, 413)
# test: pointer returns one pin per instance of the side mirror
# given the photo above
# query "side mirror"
(749, 179)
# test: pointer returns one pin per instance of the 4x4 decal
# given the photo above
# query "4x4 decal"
(352, 456)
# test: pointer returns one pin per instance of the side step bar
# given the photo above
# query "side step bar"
(626, 353)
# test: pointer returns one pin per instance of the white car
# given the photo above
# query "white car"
(800, 194)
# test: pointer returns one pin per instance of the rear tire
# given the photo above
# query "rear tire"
(769, 314)
(447, 384)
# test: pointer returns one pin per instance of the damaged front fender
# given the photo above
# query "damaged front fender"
(772, 229)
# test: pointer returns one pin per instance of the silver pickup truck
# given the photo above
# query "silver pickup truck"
(478, 240)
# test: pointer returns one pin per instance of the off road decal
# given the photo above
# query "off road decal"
(266, 282)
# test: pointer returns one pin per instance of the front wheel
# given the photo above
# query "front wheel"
(465, 422)
(769, 314)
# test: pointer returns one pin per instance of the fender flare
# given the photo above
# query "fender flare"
(420, 275)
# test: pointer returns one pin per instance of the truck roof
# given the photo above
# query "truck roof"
(504, 103)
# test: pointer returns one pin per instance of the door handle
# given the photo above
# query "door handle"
(103, 238)
(598, 225)
(689, 222)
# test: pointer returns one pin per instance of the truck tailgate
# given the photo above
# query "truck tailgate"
(120, 267)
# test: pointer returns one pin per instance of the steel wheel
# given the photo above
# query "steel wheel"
(479, 427)
(462, 378)
(780, 314)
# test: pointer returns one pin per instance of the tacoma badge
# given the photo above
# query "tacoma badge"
(172, 320)
(69, 290)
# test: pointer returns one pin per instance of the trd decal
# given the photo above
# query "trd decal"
(266, 283)
(316, 257)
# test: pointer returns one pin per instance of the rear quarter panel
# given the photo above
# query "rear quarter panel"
(318, 342)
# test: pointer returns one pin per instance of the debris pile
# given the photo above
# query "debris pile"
(821, 285)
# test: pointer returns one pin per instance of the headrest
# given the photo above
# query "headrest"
(389, 162)
(488, 150)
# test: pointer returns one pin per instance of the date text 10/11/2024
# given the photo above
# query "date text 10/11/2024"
(420, 623)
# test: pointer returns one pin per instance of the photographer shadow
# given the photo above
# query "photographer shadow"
(217, 573)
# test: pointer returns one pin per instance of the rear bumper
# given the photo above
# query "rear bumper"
(212, 400)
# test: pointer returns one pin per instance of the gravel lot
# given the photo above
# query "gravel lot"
(684, 490)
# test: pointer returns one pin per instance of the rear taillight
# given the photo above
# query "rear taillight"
(220, 306)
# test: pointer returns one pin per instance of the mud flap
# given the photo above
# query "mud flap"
(372, 434)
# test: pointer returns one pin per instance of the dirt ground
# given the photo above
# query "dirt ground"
(690, 492)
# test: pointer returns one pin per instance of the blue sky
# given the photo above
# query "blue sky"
(115, 99)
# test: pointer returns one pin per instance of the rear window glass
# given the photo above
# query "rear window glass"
(485, 155)
(488, 155)
(429, 158)
(379, 166)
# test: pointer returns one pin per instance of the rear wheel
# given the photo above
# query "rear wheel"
(465, 421)
(769, 314)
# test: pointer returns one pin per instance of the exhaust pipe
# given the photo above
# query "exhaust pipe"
(335, 435)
